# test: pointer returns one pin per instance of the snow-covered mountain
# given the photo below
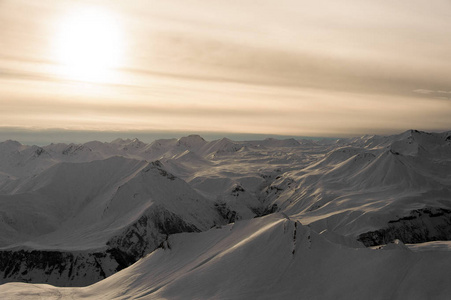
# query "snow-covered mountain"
(313, 219)
(117, 208)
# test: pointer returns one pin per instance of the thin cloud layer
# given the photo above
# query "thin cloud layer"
(445, 95)
(276, 67)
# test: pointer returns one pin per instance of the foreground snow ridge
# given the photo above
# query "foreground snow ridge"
(186, 218)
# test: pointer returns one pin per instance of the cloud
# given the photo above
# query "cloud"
(423, 91)
(294, 67)
(25, 75)
(445, 95)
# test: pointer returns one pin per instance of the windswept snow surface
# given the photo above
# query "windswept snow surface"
(271, 257)
(356, 218)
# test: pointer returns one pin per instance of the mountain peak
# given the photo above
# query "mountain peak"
(11, 144)
(191, 141)
(157, 165)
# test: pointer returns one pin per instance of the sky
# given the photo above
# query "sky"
(267, 67)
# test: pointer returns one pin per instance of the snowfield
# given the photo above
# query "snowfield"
(359, 218)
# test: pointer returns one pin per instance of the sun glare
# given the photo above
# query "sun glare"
(89, 45)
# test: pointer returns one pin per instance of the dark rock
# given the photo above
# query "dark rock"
(421, 225)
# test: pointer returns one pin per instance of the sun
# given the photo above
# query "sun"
(88, 45)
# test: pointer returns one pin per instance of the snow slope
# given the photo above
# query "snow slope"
(266, 258)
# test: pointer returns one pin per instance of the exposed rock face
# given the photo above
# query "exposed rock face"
(64, 268)
(225, 212)
(270, 210)
(145, 235)
(55, 267)
(422, 225)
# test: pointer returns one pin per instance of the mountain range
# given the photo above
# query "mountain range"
(365, 217)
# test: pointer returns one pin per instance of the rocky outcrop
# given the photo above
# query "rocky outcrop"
(225, 212)
(145, 235)
(55, 267)
(421, 225)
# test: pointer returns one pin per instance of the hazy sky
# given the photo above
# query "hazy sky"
(289, 67)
